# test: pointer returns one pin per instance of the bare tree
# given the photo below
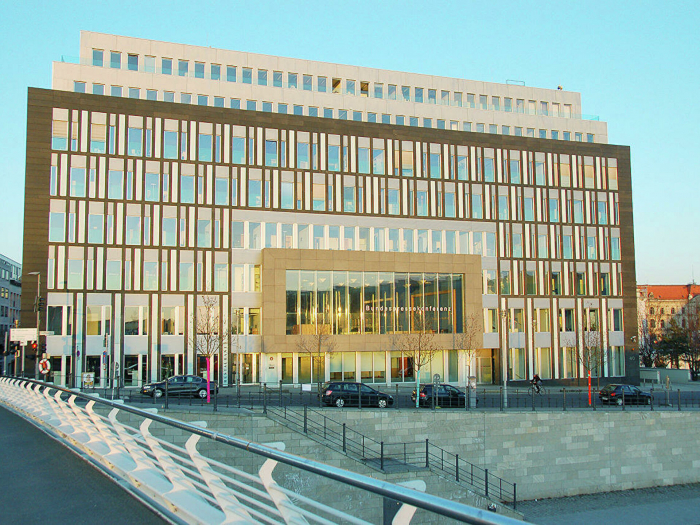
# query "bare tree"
(317, 345)
(420, 345)
(468, 341)
(591, 356)
(208, 337)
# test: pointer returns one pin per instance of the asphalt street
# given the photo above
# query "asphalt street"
(677, 505)
(45, 482)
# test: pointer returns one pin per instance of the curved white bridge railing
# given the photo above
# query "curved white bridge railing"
(188, 487)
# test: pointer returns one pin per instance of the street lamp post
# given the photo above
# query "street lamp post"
(37, 307)
(504, 365)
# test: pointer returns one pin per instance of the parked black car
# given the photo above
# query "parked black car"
(445, 396)
(343, 393)
(180, 386)
(624, 394)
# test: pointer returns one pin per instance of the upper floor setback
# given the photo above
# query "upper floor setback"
(138, 68)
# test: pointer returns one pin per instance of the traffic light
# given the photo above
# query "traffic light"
(43, 348)
(38, 304)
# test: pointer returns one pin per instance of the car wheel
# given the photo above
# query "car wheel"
(340, 402)
(382, 403)
(619, 401)
(157, 393)
(202, 393)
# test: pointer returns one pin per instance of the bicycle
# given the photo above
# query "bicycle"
(533, 390)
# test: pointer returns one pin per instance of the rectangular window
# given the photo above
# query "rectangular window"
(418, 94)
(97, 57)
(166, 66)
(183, 68)
(132, 62)
(77, 182)
(307, 82)
(115, 60)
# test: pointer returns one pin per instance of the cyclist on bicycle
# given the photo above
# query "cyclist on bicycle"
(536, 383)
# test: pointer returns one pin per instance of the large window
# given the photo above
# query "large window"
(136, 320)
(371, 302)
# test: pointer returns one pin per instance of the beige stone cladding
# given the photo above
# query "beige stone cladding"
(276, 261)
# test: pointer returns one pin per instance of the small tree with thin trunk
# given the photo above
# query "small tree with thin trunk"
(420, 345)
(317, 345)
(208, 337)
(469, 340)
(591, 356)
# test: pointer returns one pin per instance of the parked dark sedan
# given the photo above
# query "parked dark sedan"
(445, 396)
(624, 395)
(342, 393)
(180, 386)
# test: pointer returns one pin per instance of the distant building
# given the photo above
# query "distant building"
(658, 304)
(10, 295)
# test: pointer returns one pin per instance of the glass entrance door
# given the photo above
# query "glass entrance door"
(484, 373)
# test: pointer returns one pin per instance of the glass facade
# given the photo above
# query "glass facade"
(337, 302)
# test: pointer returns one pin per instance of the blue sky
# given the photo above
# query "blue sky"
(635, 64)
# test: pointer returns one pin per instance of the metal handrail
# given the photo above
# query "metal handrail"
(427, 502)
(416, 454)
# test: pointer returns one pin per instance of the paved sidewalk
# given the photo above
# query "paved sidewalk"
(45, 482)
(677, 504)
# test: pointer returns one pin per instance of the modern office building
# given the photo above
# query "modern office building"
(10, 295)
(300, 198)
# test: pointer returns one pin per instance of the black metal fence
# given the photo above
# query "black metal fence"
(392, 457)
(500, 399)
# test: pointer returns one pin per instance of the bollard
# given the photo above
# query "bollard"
(486, 482)
(623, 399)
(533, 398)
(679, 399)
(593, 403)
(381, 456)
(280, 392)
(457, 468)
(396, 404)
(467, 399)
(564, 397)
(305, 420)
(166, 394)
(264, 398)
(427, 458)
(344, 449)
(501, 397)
(216, 397)
(515, 498)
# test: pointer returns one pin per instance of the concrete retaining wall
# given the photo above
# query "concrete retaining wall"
(548, 454)
(551, 454)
